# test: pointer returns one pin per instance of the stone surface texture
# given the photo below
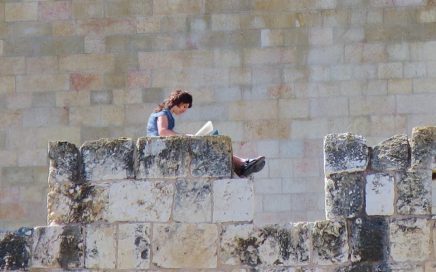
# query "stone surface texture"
(380, 194)
(345, 153)
(198, 218)
(107, 159)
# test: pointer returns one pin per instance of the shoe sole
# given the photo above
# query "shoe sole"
(255, 167)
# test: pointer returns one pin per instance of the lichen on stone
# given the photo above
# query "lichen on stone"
(391, 154)
(64, 162)
(414, 192)
(344, 195)
(71, 248)
(345, 153)
(423, 145)
(330, 242)
(14, 252)
(107, 159)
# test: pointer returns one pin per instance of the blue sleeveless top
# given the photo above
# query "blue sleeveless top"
(152, 122)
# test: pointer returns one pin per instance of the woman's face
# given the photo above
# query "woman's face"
(179, 109)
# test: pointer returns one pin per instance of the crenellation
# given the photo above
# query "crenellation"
(116, 205)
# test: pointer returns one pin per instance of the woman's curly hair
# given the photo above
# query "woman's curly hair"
(176, 98)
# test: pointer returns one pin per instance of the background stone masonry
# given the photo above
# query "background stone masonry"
(274, 75)
(171, 204)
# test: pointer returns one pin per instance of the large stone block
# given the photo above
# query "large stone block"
(380, 194)
(330, 242)
(15, 250)
(133, 246)
(163, 157)
(58, 247)
(345, 153)
(423, 144)
(414, 192)
(100, 246)
(233, 200)
(193, 201)
(133, 200)
(211, 156)
(344, 195)
(185, 245)
(391, 154)
(267, 246)
(410, 239)
(64, 162)
(107, 159)
(170, 157)
(368, 239)
(74, 203)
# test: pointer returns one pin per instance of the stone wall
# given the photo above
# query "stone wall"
(166, 204)
(275, 75)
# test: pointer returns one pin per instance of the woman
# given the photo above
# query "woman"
(162, 123)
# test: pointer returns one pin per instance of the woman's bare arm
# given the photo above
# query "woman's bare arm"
(162, 126)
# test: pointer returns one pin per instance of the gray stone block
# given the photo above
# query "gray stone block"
(414, 192)
(172, 157)
(211, 156)
(193, 201)
(274, 245)
(410, 239)
(391, 154)
(185, 245)
(107, 159)
(64, 162)
(368, 239)
(58, 247)
(345, 153)
(344, 196)
(423, 145)
(163, 157)
(74, 203)
(15, 251)
(330, 242)
(133, 246)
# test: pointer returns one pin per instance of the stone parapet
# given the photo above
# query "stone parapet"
(391, 179)
(115, 205)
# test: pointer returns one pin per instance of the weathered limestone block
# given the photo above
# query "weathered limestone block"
(330, 242)
(410, 239)
(267, 246)
(64, 162)
(171, 157)
(239, 245)
(368, 239)
(100, 246)
(357, 268)
(107, 159)
(344, 195)
(391, 154)
(58, 247)
(380, 194)
(414, 192)
(423, 145)
(185, 245)
(15, 250)
(137, 200)
(74, 203)
(193, 201)
(285, 245)
(233, 200)
(345, 153)
(211, 156)
(163, 157)
(133, 246)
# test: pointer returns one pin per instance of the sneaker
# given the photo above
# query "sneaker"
(252, 166)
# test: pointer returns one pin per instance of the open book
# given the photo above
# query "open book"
(206, 129)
